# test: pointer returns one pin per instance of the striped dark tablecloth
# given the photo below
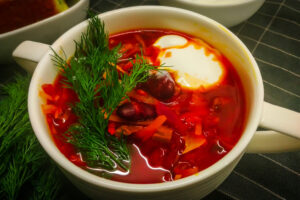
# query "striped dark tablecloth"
(273, 36)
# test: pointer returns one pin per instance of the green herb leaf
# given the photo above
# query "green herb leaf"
(92, 74)
(22, 158)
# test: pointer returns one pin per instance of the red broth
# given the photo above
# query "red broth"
(15, 14)
(198, 127)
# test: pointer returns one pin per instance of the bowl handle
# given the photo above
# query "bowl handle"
(286, 122)
(29, 53)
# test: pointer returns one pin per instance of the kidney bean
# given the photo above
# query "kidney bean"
(126, 111)
(160, 85)
(135, 111)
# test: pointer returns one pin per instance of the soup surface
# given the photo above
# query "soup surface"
(184, 118)
(18, 13)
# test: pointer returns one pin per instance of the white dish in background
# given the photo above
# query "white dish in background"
(46, 30)
(226, 12)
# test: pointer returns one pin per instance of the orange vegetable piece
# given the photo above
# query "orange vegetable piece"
(177, 176)
(115, 118)
(192, 142)
(142, 97)
(198, 129)
(45, 96)
(128, 130)
(49, 108)
(149, 130)
(163, 134)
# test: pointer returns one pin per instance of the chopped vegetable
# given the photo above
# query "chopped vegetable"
(128, 130)
(198, 129)
(142, 97)
(172, 117)
(192, 142)
(163, 134)
(149, 130)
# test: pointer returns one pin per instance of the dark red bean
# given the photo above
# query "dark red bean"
(160, 85)
(127, 111)
(135, 111)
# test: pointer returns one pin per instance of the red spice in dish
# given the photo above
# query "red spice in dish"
(170, 137)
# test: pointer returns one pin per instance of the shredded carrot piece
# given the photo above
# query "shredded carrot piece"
(177, 176)
(192, 142)
(128, 130)
(47, 109)
(163, 134)
(198, 129)
(45, 96)
(149, 130)
(115, 118)
(142, 98)
(121, 70)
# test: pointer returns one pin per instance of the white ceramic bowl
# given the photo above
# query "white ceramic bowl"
(195, 186)
(46, 30)
(192, 187)
(226, 12)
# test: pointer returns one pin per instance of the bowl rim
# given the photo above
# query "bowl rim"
(62, 161)
(76, 5)
(220, 4)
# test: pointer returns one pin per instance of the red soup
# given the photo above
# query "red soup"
(175, 124)
(18, 13)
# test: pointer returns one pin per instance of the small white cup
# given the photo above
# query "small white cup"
(192, 187)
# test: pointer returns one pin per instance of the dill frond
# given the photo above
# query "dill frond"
(46, 187)
(22, 158)
(92, 74)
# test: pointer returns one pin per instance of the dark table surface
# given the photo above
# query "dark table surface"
(273, 37)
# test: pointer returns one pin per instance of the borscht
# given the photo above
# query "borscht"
(184, 112)
(18, 13)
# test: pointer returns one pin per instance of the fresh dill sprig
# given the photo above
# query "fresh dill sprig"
(92, 74)
(22, 158)
(46, 187)
(13, 113)
(24, 164)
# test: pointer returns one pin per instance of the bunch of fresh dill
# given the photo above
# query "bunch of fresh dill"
(93, 75)
(24, 165)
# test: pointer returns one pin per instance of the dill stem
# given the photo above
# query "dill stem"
(122, 165)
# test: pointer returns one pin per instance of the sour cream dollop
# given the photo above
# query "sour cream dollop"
(194, 64)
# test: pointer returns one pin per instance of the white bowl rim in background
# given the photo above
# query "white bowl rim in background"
(217, 3)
